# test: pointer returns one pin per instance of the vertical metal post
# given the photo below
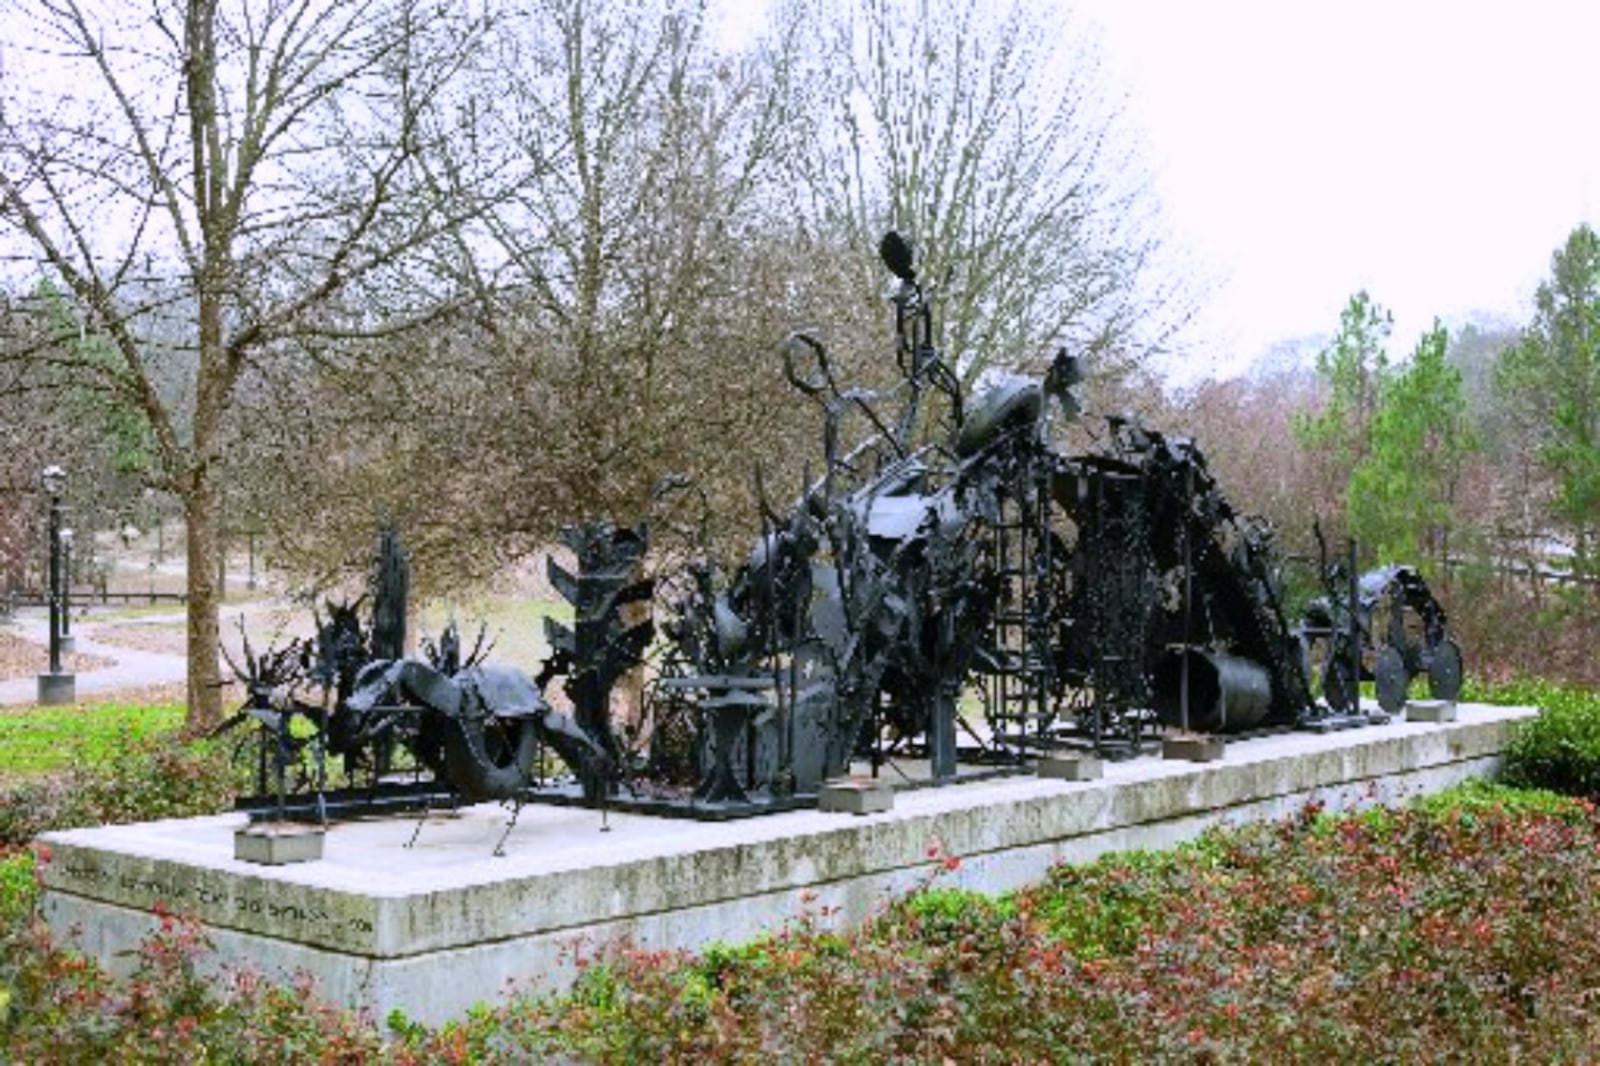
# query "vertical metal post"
(66, 589)
(55, 687)
(1188, 591)
(55, 578)
(1355, 632)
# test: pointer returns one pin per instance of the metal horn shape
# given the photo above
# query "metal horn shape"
(897, 255)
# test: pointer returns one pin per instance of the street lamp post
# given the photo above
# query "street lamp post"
(57, 686)
(69, 644)
(129, 533)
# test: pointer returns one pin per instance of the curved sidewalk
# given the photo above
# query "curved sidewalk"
(130, 668)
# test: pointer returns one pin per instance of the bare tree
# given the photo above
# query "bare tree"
(216, 180)
(985, 133)
(621, 287)
(628, 296)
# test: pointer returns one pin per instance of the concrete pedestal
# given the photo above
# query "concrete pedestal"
(436, 927)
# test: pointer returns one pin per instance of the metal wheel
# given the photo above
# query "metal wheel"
(488, 757)
(1340, 687)
(1444, 671)
(1393, 679)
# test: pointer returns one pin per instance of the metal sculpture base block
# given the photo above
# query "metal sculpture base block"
(384, 798)
(1193, 747)
(57, 689)
(1072, 767)
(855, 795)
(278, 844)
(433, 929)
(901, 773)
(1334, 723)
(1437, 711)
(686, 806)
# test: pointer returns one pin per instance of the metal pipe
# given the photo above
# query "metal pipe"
(1188, 596)
(1355, 632)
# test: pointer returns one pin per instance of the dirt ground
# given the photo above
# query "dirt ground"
(166, 638)
(22, 658)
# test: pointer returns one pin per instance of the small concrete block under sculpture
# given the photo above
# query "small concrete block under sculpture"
(1431, 711)
(1072, 767)
(855, 795)
(278, 844)
(1193, 747)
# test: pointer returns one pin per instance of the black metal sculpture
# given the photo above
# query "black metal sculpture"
(601, 644)
(952, 588)
(1396, 633)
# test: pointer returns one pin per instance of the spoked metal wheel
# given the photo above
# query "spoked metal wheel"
(1341, 684)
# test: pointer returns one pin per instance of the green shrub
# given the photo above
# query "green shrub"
(1559, 750)
(1493, 798)
(19, 890)
(1106, 907)
(139, 778)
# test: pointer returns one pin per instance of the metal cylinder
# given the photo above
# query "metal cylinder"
(1011, 404)
(1227, 694)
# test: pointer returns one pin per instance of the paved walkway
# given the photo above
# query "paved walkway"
(128, 669)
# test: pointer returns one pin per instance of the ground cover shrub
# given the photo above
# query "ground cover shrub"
(58, 1006)
(63, 1008)
(1559, 750)
(1459, 929)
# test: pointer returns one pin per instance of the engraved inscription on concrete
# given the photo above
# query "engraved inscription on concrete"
(275, 909)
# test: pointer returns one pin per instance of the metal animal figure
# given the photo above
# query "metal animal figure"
(489, 721)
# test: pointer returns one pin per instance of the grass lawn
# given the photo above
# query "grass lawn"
(514, 626)
(37, 740)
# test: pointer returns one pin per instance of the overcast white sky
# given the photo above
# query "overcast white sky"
(1433, 152)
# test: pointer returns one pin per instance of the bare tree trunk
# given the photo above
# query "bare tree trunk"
(205, 681)
(203, 500)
